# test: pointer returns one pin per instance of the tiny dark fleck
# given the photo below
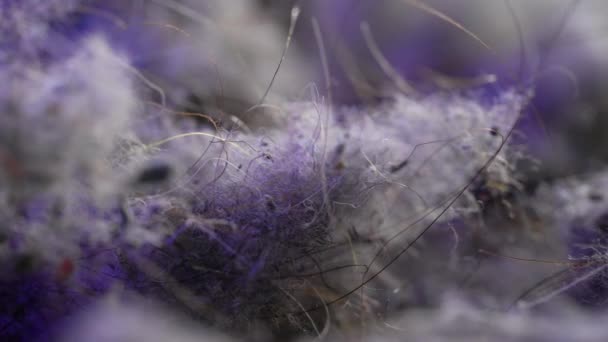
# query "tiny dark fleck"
(270, 205)
(154, 174)
(399, 166)
(19, 314)
(24, 264)
(340, 149)
(595, 197)
(494, 131)
(602, 222)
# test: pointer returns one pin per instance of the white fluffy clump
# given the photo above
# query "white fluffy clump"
(223, 52)
(456, 320)
(19, 15)
(62, 122)
(411, 156)
(575, 202)
(383, 204)
(58, 131)
(134, 320)
(25, 25)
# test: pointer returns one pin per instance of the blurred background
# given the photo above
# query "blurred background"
(220, 56)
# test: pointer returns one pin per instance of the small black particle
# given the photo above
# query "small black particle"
(270, 205)
(154, 174)
(595, 197)
(19, 314)
(399, 166)
(602, 222)
(24, 264)
(340, 149)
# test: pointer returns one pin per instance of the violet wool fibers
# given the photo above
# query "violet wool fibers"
(164, 178)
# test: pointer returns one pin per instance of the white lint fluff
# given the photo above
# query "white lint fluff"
(60, 131)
